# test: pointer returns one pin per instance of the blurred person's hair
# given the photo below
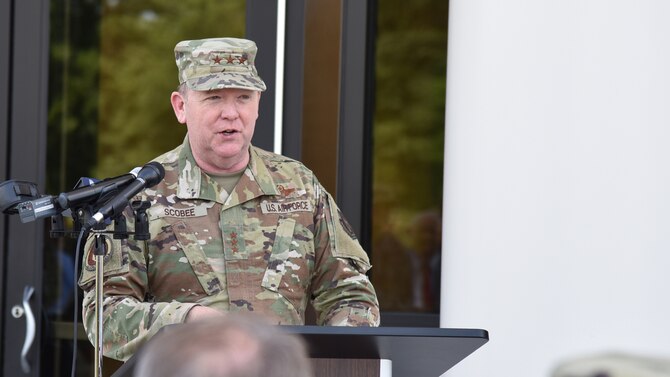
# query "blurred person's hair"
(230, 346)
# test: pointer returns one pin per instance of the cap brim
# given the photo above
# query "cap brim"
(226, 80)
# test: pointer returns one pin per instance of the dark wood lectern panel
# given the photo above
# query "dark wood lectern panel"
(414, 352)
(345, 368)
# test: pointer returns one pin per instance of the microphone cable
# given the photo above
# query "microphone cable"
(76, 303)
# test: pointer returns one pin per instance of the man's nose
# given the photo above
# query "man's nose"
(229, 110)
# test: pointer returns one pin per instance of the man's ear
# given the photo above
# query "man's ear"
(178, 103)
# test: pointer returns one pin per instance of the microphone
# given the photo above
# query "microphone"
(148, 176)
(47, 205)
(93, 193)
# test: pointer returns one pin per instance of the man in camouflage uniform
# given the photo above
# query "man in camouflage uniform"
(234, 228)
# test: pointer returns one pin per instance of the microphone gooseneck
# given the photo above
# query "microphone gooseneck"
(150, 175)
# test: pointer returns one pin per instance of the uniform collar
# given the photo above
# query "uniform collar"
(195, 184)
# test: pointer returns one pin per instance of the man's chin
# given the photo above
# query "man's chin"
(232, 155)
(227, 149)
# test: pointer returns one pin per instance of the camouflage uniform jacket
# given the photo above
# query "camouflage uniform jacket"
(276, 243)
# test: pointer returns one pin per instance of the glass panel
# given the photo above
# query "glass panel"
(408, 152)
(111, 73)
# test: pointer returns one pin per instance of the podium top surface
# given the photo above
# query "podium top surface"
(414, 352)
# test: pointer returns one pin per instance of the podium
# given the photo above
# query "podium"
(412, 352)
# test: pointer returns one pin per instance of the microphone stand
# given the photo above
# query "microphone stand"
(100, 250)
(12, 201)
(101, 247)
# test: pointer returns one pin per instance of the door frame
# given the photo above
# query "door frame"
(24, 63)
(25, 70)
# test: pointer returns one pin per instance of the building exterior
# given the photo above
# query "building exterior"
(356, 91)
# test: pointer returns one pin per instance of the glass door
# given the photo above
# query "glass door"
(408, 159)
(106, 109)
(110, 70)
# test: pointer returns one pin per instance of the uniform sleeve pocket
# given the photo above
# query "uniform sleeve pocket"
(346, 244)
(115, 261)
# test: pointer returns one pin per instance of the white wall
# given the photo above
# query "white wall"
(557, 181)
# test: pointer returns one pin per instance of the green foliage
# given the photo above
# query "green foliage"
(111, 74)
(408, 138)
(410, 98)
(73, 93)
(138, 73)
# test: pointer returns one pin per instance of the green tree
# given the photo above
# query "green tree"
(410, 102)
(408, 138)
(138, 73)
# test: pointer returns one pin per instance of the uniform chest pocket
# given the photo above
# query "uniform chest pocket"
(288, 272)
(291, 262)
(196, 257)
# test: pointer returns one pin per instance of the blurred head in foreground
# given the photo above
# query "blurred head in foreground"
(229, 346)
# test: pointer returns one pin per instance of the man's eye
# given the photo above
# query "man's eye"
(210, 98)
(244, 97)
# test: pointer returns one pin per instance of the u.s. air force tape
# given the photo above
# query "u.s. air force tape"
(286, 207)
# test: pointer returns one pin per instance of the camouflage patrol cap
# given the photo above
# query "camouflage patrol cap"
(218, 63)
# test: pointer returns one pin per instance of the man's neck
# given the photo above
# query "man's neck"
(223, 167)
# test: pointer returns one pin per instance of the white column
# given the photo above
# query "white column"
(557, 180)
(279, 76)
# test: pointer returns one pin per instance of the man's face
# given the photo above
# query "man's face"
(220, 126)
